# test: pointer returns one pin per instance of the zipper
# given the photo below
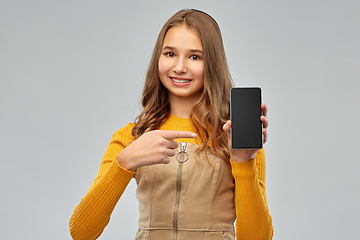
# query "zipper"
(182, 156)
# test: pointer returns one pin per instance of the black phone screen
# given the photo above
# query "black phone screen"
(245, 113)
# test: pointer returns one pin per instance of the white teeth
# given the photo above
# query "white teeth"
(179, 80)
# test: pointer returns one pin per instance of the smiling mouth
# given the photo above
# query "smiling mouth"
(180, 80)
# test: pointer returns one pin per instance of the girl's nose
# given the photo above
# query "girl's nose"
(180, 67)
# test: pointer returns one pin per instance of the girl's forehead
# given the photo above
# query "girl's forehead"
(182, 36)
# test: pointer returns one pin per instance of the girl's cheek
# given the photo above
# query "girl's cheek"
(200, 71)
(163, 66)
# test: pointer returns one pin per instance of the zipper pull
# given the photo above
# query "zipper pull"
(182, 153)
(183, 147)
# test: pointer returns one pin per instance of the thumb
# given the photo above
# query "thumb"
(227, 127)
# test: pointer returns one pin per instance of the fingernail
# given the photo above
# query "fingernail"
(193, 135)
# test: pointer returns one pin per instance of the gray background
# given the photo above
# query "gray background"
(71, 73)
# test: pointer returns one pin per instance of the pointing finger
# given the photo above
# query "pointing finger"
(176, 134)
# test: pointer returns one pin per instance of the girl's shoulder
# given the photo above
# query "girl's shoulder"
(124, 134)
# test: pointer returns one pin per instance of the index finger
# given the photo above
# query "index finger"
(264, 109)
(177, 134)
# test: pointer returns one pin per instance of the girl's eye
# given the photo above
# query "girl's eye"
(195, 57)
(170, 54)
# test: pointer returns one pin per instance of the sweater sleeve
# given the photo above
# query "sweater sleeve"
(92, 214)
(253, 220)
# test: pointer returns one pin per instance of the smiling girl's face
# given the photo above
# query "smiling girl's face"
(181, 64)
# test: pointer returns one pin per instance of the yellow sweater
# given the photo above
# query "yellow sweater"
(92, 214)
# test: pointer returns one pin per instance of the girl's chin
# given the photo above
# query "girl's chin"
(185, 95)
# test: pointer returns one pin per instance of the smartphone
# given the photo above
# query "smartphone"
(245, 113)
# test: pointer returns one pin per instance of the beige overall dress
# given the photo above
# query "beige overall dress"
(187, 199)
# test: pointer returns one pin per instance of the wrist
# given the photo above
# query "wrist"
(125, 163)
(241, 159)
(243, 156)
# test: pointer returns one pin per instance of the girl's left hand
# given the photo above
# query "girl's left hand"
(243, 155)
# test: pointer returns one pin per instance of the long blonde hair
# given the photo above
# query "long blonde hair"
(211, 111)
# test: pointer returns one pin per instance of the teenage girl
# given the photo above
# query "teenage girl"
(191, 183)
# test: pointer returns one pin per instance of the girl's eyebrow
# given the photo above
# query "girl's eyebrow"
(168, 48)
(196, 51)
(172, 49)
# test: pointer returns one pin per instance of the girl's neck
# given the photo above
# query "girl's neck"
(181, 106)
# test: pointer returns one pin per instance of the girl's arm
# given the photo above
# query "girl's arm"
(252, 213)
(248, 168)
(92, 214)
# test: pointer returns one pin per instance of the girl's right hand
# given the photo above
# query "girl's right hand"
(153, 147)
